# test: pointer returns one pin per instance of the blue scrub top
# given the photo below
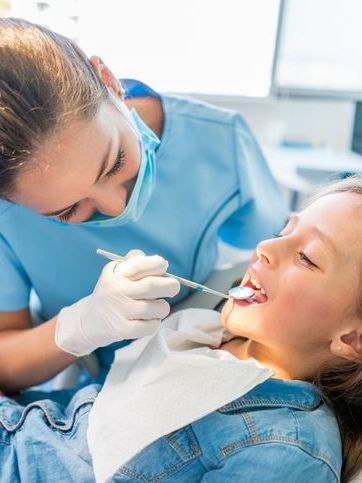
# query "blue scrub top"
(212, 180)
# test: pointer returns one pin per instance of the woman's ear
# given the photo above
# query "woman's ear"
(107, 76)
(348, 345)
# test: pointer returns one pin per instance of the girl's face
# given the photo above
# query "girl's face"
(311, 275)
(91, 166)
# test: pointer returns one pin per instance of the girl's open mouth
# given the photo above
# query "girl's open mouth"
(259, 297)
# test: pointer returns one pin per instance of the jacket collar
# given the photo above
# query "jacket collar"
(278, 393)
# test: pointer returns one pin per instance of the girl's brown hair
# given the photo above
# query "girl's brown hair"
(45, 81)
(340, 384)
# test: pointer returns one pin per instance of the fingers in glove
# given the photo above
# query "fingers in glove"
(140, 328)
(147, 309)
(135, 253)
(139, 267)
(151, 288)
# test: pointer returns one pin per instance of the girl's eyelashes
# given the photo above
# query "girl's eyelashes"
(68, 215)
(283, 229)
(303, 257)
(118, 165)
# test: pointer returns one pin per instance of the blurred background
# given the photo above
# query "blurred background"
(293, 68)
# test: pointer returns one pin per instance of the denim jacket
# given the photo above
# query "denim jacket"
(278, 432)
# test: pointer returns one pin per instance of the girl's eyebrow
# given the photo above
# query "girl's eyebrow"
(320, 234)
(102, 169)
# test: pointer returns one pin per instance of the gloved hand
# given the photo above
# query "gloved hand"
(122, 305)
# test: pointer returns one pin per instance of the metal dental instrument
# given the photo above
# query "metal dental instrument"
(241, 293)
(183, 281)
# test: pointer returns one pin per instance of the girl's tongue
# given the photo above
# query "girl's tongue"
(258, 297)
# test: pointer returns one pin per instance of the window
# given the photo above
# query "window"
(320, 48)
(189, 46)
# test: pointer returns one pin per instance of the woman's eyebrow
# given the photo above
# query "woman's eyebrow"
(102, 169)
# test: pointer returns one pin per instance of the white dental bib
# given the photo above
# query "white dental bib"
(163, 382)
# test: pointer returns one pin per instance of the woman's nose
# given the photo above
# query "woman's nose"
(110, 201)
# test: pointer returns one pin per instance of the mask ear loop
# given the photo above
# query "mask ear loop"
(129, 121)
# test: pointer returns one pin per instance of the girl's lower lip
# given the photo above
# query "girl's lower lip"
(242, 303)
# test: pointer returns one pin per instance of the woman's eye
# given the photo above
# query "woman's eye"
(68, 215)
(303, 257)
(118, 165)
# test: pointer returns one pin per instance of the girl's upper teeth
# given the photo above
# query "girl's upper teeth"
(257, 285)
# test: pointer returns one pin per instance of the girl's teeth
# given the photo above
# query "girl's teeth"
(255, 283)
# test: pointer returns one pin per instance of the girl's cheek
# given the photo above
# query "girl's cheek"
(226, 311)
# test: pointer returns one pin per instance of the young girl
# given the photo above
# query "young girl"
(304, 325)
(87, 163)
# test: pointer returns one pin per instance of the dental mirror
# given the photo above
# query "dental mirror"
(241, 293)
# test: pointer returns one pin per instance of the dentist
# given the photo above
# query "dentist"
(88, 162)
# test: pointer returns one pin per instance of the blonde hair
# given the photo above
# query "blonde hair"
(45, 81)
(340, 383)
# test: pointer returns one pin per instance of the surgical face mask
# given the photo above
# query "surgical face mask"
(143, 187)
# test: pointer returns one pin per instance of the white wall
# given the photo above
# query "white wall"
(319, 122)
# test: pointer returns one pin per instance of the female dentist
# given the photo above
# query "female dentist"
(86, 162)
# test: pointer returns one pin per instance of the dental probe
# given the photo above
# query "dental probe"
(183, 281)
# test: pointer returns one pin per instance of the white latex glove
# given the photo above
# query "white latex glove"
(123, 305)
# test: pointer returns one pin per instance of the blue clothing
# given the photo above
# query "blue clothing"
(278, 432)
(212, 180)
(43, 440)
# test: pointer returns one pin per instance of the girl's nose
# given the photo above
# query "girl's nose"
(265, 252)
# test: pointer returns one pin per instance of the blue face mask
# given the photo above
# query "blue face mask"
(143, 187)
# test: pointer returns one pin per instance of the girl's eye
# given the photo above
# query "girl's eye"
(283, 229)
(303, 257)
(118, 165)
(68, 215)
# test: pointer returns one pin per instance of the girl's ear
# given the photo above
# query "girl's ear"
(107, 76)
(348, 345)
